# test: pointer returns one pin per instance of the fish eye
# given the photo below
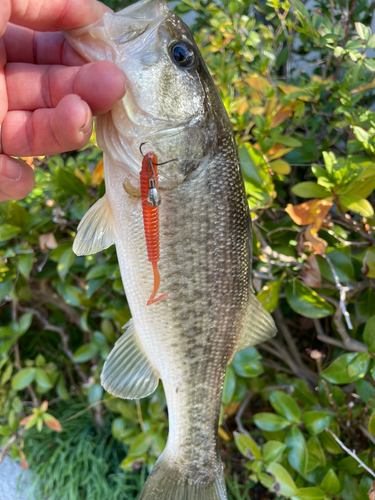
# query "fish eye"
(183, 55)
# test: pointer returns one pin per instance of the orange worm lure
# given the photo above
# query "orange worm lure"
(150, 206)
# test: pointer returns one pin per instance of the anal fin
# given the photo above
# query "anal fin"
(259, 325)
(127, 373)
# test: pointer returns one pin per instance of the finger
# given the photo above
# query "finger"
(34, 47)
(31, 87)
(47, 131)
(47, 15)
(16, 179)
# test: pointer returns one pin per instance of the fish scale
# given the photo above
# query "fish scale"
(188, 338)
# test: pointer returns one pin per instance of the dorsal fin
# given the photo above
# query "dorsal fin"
(259, 325)
(96, 230)
(127, 372)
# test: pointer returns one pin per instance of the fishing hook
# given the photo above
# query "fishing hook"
(164, 162)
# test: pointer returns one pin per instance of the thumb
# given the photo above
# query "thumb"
(16, 179)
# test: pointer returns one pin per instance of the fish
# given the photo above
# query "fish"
(209, 311)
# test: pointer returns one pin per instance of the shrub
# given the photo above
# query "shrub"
(298, 86)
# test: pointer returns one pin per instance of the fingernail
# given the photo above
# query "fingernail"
(10, 169)
(88, 125)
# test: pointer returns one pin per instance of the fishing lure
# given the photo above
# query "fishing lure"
(150, 207)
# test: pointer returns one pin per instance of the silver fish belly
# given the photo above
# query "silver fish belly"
(188, 338)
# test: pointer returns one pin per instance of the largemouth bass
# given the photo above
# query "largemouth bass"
(209, 312)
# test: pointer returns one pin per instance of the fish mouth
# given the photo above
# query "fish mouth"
(134, 20)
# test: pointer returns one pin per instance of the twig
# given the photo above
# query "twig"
(140, 418)
(63, 337)
(342, 290)
(299, 371)
(349, 343)
(17, 357)
(48, 296)
(283, 328)
(353, 454)
(350, 224)
(330, 340)
(78, 414)
(266, 250)
(366, 433)
(13, 438)
(241, 411)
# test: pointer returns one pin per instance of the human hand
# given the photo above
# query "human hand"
(47, 93)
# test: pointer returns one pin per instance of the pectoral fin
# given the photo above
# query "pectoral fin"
(259, 325)
(96, 231)
(127, 372)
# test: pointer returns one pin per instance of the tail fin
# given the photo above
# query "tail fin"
(166, 483)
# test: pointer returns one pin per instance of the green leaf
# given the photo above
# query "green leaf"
(139, 446)
(24, 323)
(369, 334)
(25, 264)
(229, 385)
(310, 493)
(331, 483)
(351, 466)
(249, 169)
(95, 394)
(23, 378)
(5, 377)
(246, 363)
(272, 451)
(7, 232)
(370, 64)
(43, 379)
(365, 390)
(85, 353)
(316, 421)
(247, 446)
(316, 454)
(288, 141)
(310, 190)
(70, 183)
(305, 301)
(270, 422)
(357, 368)
(356, 204)
(301, 8)
(6, 332)
(269, 295)
(284, 405)
(363, 31)
(296, 450)
(61, 389)
(65, 262)
(347, 368)
(371, 424)
(342, 264)
(288, 487)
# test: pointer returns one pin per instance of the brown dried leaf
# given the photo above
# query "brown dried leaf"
(47, 240)
(318, 244)
(310, 212)
(98, 174)
(258, 83)
(26, 420)
(371, 493)
(280, 116)
(224, 435)
(242, 108)
(311, 273)
(52, 422)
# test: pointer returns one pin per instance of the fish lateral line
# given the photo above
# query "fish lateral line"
(151, 200)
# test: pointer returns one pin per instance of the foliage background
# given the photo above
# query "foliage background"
(297, 81)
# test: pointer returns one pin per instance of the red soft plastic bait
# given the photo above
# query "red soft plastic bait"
(149, 178)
